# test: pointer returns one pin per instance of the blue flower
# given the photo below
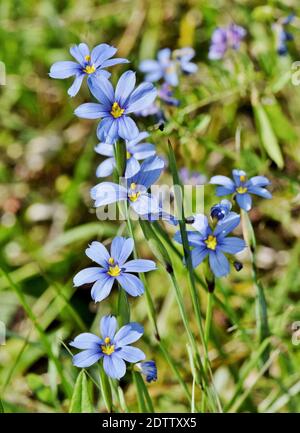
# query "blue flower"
(214, 243)
(162, 68)
(221, 210)
(135, 151)
(135, 189)
(241, 187)
(282, 35)
(115, 105)
(113, 347)
(113, 267)
(88, 64)
(184, 57)
(165, 93)
(225, 38)
(148, 369)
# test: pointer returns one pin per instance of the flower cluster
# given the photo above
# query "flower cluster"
(224, 39)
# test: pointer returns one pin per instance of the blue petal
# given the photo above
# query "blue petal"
(86, 358)
(143, 151)
(129, 334)
(189, 67)
(145, 204)
(108, 192)
(223, 181)
(218, 263)
(232, 245)
(73, 90)
(102, 89)
(106, 167)
(131, 354)
(171, 77)
(198, 254)
(149, 66)
(262, 192)
(121, 248)
(86, 276)
(114, 367)
(107, 130)
(201, 224)
(113, 62)
(259, 181)
(143, 96)
(164, 55)
(132, 167)
(125, 87)
(222, 190)
(139, 265)
(127, 128)
(108, 326)
(77, 54)
(244, 201)
(90, 110)
(105, 149)
(98, 253)
(101, 53)
(86, 341)
(142, 135)
(102, 287)
(131, 284)
(227, 224)
(237, 174)
(63, 70)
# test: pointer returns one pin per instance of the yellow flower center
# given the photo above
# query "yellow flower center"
(114, 271)
(89, 69)
(107, 348)
(87, 58)
(242, 178)
(116, 110)
(111, 261)
(241, 189)
(211, 242)
(133, 196)
(128, 155)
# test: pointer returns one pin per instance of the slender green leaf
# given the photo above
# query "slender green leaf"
(81, 402)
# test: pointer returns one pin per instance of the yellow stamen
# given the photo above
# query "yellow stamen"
(134, 196)
(89, 69)
(128, 155)
(111, 261)
(114, 271)
(242, 178)
(211, 242)
(107, 348)
(116, 110)
(87, 58)
(133, 185)
(241, 189)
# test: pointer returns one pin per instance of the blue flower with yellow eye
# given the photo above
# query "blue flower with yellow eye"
(242, 187)
(113, 347)
(88, 63)
(113, 267)
(115, 105)
(213, 243)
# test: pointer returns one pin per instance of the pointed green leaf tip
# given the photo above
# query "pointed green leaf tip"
(267, 135)
(80, 402)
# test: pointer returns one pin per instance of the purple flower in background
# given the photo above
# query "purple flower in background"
(214, 243)
(241, 187)
(225, 38)
(134, 191)
(90, 64)
(221, 210)
(115, 105)
(113, 266)
(189, 177)
(135, 151)
(165, 93)
(148, 369)
(113, 347)
(162, 68)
